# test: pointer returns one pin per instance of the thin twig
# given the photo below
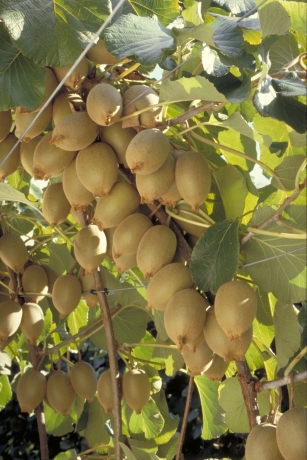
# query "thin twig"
(185, 418)
(189, 113)
(247, 383)
(286, 380)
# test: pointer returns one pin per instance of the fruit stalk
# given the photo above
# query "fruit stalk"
(249, 393)
(277, 383)
(185, 418)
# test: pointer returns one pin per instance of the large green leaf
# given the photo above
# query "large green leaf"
(215, 258)
(149, 421)
(270, 260)
(57, 24)
(143, 37)
(60, 258)
(240, 142)
(213, 415)
(57, 424)
(95, 432)
(78, 318)
(287, 336)
(5, 391)
(165, 10)
(287, 171)
(274, 19)
(284, 50)
(188, 89)
(298, 14)
(170, 421)
(8, 193)
(231, 183)
(228, 37)
(236, 7)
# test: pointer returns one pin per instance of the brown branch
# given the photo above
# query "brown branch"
(188, 114)
(276, 214)
(179, 455)
(288, 379)
(247, 383)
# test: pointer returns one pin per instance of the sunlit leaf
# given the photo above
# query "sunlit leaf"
(231, 183)
(188, 89)
(287, 171)
(78, 318)
(95, 432)
(5, 391)
(274, 19)
(149, 421)
(171, 421)
(57, 424)
(165, 10)
(287, 338)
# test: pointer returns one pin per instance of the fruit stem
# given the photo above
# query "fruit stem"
(296, 236)
(177, 216)
(161, 345)
(294, 361)
(185, 418)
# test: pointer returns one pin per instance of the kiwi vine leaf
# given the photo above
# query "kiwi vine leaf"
(223, 78)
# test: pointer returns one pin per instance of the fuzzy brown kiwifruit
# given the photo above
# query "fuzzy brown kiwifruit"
(155, 250)
(129, 233)
(49, 160)
(165, 283)
(136, 389)
(74, 132)
(23, 120)
(139, 97)
(66, 294)
(109, 232)
(291, 434)
(193, 178)
(147, 151)
(261, 444)
(27, 150)
(83, 380)
(171, 196)
(100, 55)
(60, 394)
(123, 263)
(35, 280)
(76, 78)
(152, 186)
(55, 205)
(10, 318)
(13, 252)
(97, 168)
(31, 390)
(32, 322)
(195, 226)
(105, 391)
(5, 123)
(217, 369)
(122, 201)
(65, 104)
(217, 340)
(104, 104)
(90, 247)
(11, 163)
(51, 276)
(118, 138)
(199, 360)
(87, 284)
(235, 307)
(185, 316)
(77, 195)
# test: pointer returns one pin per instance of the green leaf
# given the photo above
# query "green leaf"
(129, 455)
(8, 193)
(165, 10)
(215, 258)
(263, 314)
(237, 141)
(66, 455)
(168, 451)
(57, 23)
(271, 263)
(57, 424)
(5, 363)
(264, 333)
(228, 37)
(302, 319)
(203, 33)
(298, 14)
(289, 85)
(149, 421)
(78, 318)
(287, 171)
(171, 421)
(144, 450)
(214, 417)
(231, 183)
(191, 15)
(95, 431)
(235, 7)
(60, 258)
(300, 394)
(188, 89)
(287, 336)
(274, 19)
(284, 50)
(5, 391)
(129, 33)
(47, 324)
(215, 63)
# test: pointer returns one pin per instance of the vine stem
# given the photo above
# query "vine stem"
(158, 345)
(277, 383)
(301, 354)
(295, 236)
(179, 455)
(247, 383)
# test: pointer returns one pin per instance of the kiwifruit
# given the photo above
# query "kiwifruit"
(185, 316)
(27, 153)
(220, 344)
(171, 196)
(156, 249)
(6, 342)
(23, 120)
(32, 322)
(83, 380)
(235, 307)
(123, 263)
(10, 318)
(136, 389)
(76, 78)
(193, 344)
(50, 84)
(104, 104)
(99, 54)
(105, 391)
(78, 196)
(165, 283)
(13, 252)
(97, 168)
(217, 368)
(199, 360)
(152, 186)
(90, 247)
(5, 124)
(66, 294)
(147, 151)
(65, 104)
(31, 389)
(34, 279)
(291, 434)
(122, 201)
(261, 444)
(5, 288)
(129, 233)
(118, 138)
(193, 178)
(184, 210)
(51, 275)
(55, 205)
(87, 284)
(11, 163)
(74, 132)
(138, 97)
(109, 232)
(60, 394)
